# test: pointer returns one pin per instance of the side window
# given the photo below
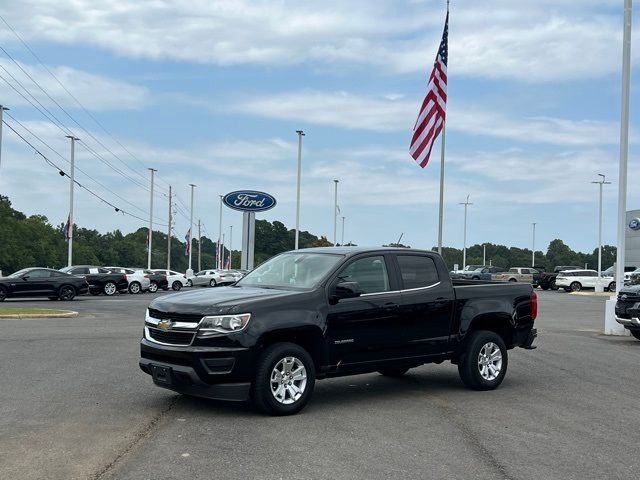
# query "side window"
(39, 274)
(370, 273)
(417, 271)
(103, 270)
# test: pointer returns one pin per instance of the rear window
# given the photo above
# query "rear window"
(417, 271)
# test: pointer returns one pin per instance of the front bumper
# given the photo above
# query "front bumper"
(221, 373)
(631, 323)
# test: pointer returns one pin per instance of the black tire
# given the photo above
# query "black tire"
(176, 285)
(546, 287)
(212, 283)
(262, 393)
(513, 280)
(395, 372)
(553, 285)
(635, 334)
(67, 293)
(575, 286)
(475, 278)
(153, 287)
(469, 365)
(189, 283)
(3, 293)
(135, 288)
(612, 287)
(109, 289)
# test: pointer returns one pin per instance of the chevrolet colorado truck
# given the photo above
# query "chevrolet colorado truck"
(318, 313)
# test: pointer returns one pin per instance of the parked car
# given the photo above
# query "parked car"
(515, 274)
(42, 282)
(175, 280)
(547, 280)
(138, 280)
(156, 280)
(100, 280)
(482, 273)
(324, 312)
(210, 278)
(576, 280)
(628, 309)
(459, 273)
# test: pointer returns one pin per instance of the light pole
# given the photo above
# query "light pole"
(601, 182)
(71, 185)
(153, 171)
(230, 245)
(220, 242)
(342, 241)
(335, 214)
(484, 254)
(464, 249)
(300, 135)
(2, 110)
(199, 247)
(169, 234)
(191, 227)
(533, 247)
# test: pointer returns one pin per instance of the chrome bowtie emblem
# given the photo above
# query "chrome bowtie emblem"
(165, 325)
(624, 297)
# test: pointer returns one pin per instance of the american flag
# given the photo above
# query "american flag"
(187, 247)
(432, 112)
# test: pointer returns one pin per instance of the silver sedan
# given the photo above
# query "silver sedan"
(209, 278)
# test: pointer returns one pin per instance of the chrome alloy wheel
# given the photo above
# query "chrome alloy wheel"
(288, 380)
(490, 361)
(110, 288)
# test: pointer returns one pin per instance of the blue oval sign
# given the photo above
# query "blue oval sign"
(249, 201)
(634, 224)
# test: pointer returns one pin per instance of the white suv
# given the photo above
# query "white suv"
(576, 280)
(138, 280)
(176, 280)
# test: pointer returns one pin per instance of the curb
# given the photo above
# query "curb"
(593, 294)
(19, 316)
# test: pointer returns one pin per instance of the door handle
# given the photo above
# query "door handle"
(391, 306)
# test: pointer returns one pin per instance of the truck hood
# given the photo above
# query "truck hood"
(218, 300)
(631, 290)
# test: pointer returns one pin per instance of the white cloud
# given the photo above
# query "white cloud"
(527, 40)
(346, 110)
(95, 92)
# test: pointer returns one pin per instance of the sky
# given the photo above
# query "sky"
(212, 92)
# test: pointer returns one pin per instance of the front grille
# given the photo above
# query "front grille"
(176, 317)
(171, 337)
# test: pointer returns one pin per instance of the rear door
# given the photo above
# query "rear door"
(427, 304)
(365, 329)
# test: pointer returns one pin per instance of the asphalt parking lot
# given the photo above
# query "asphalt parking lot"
(74, 405)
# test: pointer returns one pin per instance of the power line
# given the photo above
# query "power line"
(63, 173)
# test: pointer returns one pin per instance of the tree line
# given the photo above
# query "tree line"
(27, 241)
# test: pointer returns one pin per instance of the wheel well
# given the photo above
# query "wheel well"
(498, 325)
(309, 338)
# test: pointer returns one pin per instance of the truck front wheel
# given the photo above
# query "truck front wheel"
(284, 380)
(484, 362)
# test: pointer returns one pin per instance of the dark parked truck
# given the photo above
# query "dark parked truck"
(628, 309)
(326, 312)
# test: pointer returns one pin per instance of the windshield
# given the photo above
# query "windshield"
(297, 270)
(19, 273)
(66, 269)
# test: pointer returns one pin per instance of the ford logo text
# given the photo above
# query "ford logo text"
(249, 201)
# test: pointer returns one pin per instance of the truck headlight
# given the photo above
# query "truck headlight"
(222, 324)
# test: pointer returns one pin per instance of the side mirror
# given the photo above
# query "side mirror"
(347, 290)
(26, 277)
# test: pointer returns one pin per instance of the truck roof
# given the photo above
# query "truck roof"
(355, 250)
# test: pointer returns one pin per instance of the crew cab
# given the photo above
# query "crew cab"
(317, 313)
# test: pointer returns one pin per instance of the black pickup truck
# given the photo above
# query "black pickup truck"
(326, 312)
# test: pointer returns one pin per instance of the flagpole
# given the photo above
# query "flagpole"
(441, 207)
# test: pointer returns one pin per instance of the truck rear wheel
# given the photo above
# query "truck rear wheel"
(284, 380)
(395, 372)
(484, 362)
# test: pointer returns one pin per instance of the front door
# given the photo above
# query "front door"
(364, 329)
(34, 283)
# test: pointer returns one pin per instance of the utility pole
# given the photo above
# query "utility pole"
(199, 249)
(191, 225)
(220, 243)
(300, 135)
(169, 233)
(335, 215)
(230, 245)
(72, 178)
(153, 171)
(484, 254)
(600, 184)
(533, 247)
(342, 241)
(2, 110)
(223, 254)
(464, 250)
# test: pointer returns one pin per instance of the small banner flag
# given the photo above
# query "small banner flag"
(187, 248)
(67, 229)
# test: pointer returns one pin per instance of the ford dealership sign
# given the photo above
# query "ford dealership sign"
(249, 201)
(634, 224)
